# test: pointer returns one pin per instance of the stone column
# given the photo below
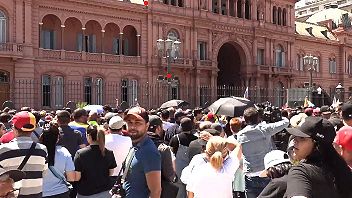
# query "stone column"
(228, 7)
(102, 41)
(19, 22)
(213, 81)
(243, 9)
(254, 10)
(120, 43)
(138, 44)
(235, 8)
(62, 37)
(210, 5)
(84, 39)
(176, 2)
(40, 34)
(219, 6)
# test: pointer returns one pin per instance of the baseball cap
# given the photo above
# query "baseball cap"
(116, 123)
(272, 159)
(344, 137)
(316, 128)
(325, 109)
(298, 120)
(14, 174)
(346, 111)
(137, 112)
(155, 120)
(109, 115)
(25, 121)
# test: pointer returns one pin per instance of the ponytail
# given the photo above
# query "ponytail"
(216, 151)
(216, 160)
(98, 136)
(101, 141)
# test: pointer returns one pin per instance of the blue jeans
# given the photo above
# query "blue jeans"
(255, 185)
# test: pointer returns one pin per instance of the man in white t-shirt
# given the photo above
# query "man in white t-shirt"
(117, 143)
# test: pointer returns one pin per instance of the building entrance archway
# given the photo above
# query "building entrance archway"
(231, 65)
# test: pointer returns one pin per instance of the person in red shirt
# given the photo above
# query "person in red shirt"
(343, 144)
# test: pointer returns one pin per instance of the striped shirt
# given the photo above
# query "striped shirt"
(11, 156)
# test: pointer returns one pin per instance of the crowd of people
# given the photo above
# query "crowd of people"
(176, 153)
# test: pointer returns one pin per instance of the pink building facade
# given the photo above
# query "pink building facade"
(95, 51)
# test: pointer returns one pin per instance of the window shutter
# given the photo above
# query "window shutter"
(115, 48)
(79, 42)
(94, 43)
(53, 39)
(283, 59)
(125, 47)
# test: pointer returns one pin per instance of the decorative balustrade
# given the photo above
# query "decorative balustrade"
(130, 59)
(93, 57)
(51, 54)
(207, 63)
(112, 58)
(11, 49)
(71, 55)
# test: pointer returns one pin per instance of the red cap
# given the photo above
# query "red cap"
(25, 121)
(344, 137)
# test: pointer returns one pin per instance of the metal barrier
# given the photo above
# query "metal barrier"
(55, 94)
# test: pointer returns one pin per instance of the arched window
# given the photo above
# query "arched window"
(58, 91)
(247, 9)
(274, 14)
(174, 36)
(3, 28)
(239, 9)
(46, 90)
(279, 16)
(284, 17)
(99, 91)
(317, 67)
(280, 56)
(332, 65)
(87, 89)
(349, 65)
(129, 91)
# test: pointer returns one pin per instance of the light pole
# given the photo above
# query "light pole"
(310, 62)
(339, 89)
(171, 47)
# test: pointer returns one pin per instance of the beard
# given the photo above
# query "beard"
(135, 135)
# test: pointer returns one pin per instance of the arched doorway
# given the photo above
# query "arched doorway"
(4, 87)
(230, 64)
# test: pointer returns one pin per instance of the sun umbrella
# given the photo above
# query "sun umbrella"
(230, 106)
(174, 103)
(98, 108)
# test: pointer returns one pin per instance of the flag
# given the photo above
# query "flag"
(245, 95)
(308, 103)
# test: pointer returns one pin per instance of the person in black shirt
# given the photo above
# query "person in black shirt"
(94, 164)
(321, 173)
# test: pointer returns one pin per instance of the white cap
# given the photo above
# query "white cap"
(272, 159)
(116, 122)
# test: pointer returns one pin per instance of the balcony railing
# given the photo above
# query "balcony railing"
(11, 49)
(86, 56)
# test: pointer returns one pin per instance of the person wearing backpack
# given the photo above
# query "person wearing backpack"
(24, 154)
(168, 175)
(179, 145)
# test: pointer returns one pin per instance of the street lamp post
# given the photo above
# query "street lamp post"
(171, 47)
(310, 62)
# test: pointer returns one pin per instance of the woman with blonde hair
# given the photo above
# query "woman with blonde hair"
(214, 177)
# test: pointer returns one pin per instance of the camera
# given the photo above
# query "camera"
(117, 190)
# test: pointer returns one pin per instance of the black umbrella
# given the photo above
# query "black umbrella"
(230, 106)
(174, 103)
